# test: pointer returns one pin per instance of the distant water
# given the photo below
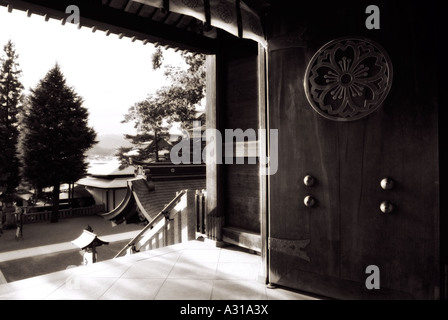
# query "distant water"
(107, 166)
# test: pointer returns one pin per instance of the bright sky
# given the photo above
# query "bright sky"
(111, 74)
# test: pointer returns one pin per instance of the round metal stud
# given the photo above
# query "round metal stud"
(309, 181)
(387, 207)
(309, 201)
(387, 184)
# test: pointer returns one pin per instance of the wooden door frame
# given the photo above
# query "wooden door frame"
(264, 147)
(214, 171)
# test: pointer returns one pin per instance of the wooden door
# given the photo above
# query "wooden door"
(327, 248)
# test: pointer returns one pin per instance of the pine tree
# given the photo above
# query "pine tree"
(149, 115)
(174, 103)
(10, 106)
(56, 136)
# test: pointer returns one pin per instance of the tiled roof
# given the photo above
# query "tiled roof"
(150, 198)
(165, 191)
(142, 194)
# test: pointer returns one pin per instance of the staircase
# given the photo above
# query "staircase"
(175, 223)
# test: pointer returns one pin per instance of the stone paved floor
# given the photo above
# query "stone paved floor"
(188, 271)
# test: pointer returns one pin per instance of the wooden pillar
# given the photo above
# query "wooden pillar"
(107, 200)
(263, 145)
(189, 216)
(213, 167)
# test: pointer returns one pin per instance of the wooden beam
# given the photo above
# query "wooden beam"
(242, 238)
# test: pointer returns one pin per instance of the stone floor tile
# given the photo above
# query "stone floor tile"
(133, 289)
(193, 271)
(238, 290)
(185, 289)
(235, 270)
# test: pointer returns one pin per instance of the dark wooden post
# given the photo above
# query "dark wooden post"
(214, 205)
(263, 145)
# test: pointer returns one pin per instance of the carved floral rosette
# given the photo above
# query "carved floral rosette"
(348, 79)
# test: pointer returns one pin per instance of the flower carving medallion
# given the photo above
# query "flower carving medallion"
(348, 79)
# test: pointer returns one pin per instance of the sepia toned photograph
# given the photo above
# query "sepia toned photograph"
(247, 152)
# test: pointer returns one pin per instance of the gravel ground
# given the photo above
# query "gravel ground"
(46, 233)
(24, 268)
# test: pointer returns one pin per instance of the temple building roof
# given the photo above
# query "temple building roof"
(145, 199)
(103, 183)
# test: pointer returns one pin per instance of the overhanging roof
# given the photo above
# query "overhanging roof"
(149, 198)
(126, 19)
(183, 25)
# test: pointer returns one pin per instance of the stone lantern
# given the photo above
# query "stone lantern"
(89, 241)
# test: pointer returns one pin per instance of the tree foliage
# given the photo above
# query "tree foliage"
(157, 59)
(176, 102)
(56, 135)
(10, 108)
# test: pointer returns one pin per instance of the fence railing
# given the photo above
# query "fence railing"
(159, 232)
(186, 212)
(208, 224)
(34, 217)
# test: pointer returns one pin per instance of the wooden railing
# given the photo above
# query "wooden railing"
(34, 217)
(184, 218)
(167, 227)
(208, 224)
